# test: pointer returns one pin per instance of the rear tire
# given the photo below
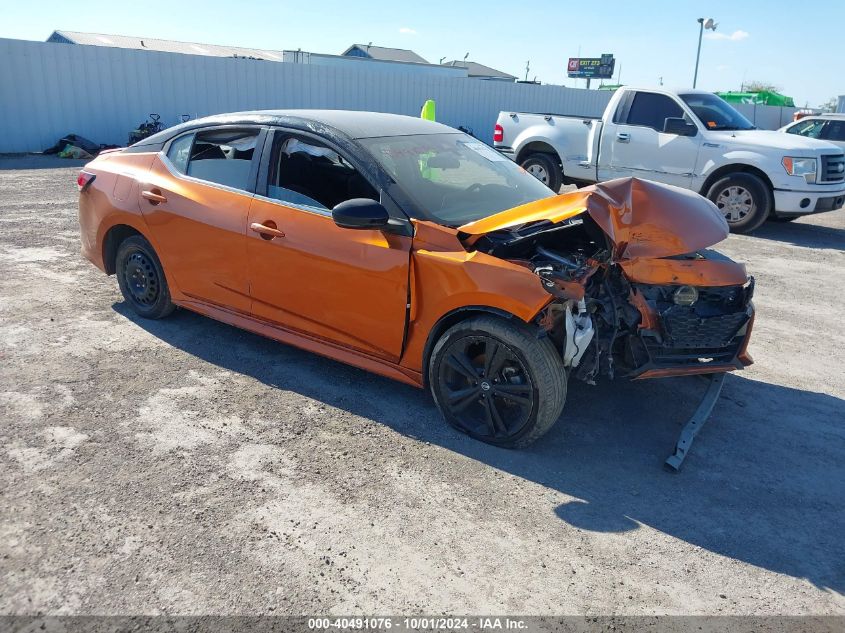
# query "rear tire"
(545, 169)
(744, 199)
(497, 382)
(141, 279)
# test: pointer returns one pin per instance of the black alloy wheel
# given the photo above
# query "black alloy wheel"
(486, 388)
(497, 381)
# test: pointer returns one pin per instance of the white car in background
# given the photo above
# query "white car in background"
(825, 127)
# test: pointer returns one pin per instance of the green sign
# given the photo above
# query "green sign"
(591, 67)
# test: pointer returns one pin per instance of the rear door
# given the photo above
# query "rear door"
(344, 286)
(635, 145)
(196, 202)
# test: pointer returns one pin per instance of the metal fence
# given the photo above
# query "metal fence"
(48, 90)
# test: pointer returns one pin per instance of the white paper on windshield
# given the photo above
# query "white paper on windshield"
(486, 151)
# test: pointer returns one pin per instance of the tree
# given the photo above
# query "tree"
(759, 86)
(830, 104)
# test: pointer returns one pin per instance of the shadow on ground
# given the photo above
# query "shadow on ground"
(764, 484)
(800, 234)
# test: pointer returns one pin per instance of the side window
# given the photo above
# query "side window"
(180, 151)
(811, 128)
(834, 131)
(651, 110)
(306, 173)
(223, 157)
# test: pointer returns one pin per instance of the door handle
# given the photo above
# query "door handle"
(153, 196)
(623, 137)
(267, 232)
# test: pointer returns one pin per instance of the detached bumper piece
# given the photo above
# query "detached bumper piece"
(695, 423)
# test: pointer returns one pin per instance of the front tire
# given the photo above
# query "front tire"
(141, 279)
(497, 382)
(744, 199)
(545, 169)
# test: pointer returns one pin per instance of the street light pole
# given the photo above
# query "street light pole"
(698, 54)
(704, 24)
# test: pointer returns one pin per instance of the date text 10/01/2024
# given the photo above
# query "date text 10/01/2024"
(419, 623)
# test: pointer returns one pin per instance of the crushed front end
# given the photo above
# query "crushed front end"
(637, 294)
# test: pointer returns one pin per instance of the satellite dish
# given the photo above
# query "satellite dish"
(710, 23)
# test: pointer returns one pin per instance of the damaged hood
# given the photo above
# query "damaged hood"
(642, 218)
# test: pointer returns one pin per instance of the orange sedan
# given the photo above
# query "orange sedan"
(412, 250)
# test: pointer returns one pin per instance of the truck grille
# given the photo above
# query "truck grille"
(833, 168)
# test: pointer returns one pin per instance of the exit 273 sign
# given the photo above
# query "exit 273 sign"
(591, 67)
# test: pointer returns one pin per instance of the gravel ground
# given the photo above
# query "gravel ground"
(186, 467)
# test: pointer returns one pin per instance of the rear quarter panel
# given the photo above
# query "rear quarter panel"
(112, 199)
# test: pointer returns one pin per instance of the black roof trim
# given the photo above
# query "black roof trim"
(350, 124)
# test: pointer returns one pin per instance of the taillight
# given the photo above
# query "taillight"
(498, 134)
(84, 179)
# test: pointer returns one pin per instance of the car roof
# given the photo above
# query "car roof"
(353, 124)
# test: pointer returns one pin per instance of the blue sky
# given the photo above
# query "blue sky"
(796, 47)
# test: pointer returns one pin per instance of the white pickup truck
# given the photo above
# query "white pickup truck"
(692, 139)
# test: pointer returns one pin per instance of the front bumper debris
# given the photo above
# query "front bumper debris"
(695, 423)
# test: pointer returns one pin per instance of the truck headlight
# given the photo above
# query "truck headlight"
(805, 167)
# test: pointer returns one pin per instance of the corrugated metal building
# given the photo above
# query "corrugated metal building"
(480, 71)
(162, 46)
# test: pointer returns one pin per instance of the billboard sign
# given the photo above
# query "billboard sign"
(591, 67)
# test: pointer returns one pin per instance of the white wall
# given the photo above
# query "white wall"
(766, 117)
(48, 90)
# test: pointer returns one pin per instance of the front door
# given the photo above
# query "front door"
(345, 286)
(196, 201)
(639, 147)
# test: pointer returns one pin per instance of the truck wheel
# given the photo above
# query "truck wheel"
(544, 168)
(141, 279)
(744, 199)
(497, 382)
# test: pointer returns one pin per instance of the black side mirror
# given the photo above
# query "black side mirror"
(360, 213)
(679, 127)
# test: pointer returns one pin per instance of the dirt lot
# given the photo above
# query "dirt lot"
(183, 466)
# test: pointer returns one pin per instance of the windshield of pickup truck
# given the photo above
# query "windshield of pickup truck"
(715, 113)
(454, 178)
